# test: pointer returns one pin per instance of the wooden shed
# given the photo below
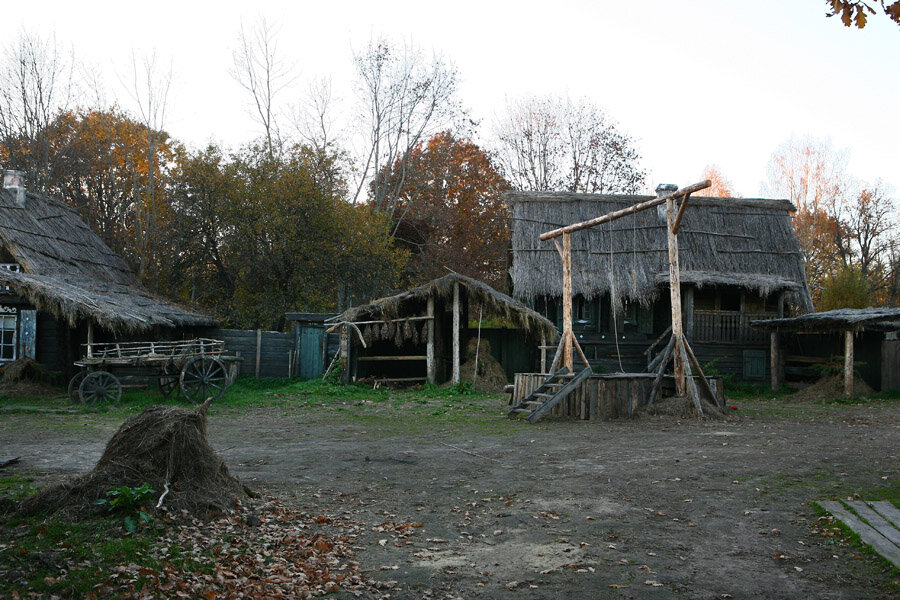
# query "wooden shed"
(418, 335)
(878, 327)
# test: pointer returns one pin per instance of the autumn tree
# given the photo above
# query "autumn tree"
(403, 99)
(552, 144)
(812, 175)
(845, 287)
(451, 212)
(721, 187)
(856, 12)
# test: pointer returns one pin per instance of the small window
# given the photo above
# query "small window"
(7, 337)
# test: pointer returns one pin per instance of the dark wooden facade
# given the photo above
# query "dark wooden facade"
(717, 323)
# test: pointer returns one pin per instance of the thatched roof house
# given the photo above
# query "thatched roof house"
(748, 243)
(416, 334)
(65, 269)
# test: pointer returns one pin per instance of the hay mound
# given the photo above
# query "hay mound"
(26, 369)
(162, 445)
(829, 388)
(491, 376)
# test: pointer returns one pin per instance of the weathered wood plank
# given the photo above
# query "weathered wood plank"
(867, 534)
(877, 521)
(888, 511)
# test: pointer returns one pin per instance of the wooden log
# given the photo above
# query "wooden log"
(661, 370)
(577, 346)
(568, 358)
(543, 355)
(662, 356)
(680, 214)
(848, 363)
(675, 295)
(429, 344)
(691, 385)
(625, 211)
(345, 355)
(775, 362)
(90, 339)
(258, 350)
(704, 383)
(456, 326)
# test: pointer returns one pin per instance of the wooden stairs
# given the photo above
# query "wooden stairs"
(554, 389)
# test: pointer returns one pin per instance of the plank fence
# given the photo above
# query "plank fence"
(266, 353)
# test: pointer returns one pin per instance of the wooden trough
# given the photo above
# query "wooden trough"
(604, 396)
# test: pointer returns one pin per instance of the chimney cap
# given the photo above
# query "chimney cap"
(666, 188)
(13, 178)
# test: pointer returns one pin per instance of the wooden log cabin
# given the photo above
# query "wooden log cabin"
(740, 261)
(61, 285)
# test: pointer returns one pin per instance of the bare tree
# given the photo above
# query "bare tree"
(36, 84)
(260, 70)
(404, 100)
(557, 144)
(149, 90)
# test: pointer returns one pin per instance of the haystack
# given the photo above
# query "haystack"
(165, 447)
(490, 376)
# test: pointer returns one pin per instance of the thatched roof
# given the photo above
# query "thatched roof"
(839, 319)
(71, 273)
(494, 302)
(743, 242)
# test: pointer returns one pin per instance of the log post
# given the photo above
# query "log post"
(90, 338)
(568, 334)
(675, 294)
(775, 363)
(848, 363)
(456, 325)
(345, 355)
(258, 350)
(543, 355)
(429, 345)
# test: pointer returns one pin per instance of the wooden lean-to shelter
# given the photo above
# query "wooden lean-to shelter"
(866, 340)
(739, 261)
(61, 285)
(418, 335)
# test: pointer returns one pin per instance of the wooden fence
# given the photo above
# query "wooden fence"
(266, 353)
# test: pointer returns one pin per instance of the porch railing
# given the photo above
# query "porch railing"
(728, 326)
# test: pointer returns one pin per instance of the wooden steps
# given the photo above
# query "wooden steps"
(554, 389)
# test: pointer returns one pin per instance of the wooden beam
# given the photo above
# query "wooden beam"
(775, 362)
(90, 338)
(543, 355)
(680, 214)
(429, 343)
(345, 355)
(626, 211)
(258, 350)
(568, 335)
(675, 295)
(456, 325)
(848, 363)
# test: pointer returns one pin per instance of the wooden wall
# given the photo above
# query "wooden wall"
(603, 397)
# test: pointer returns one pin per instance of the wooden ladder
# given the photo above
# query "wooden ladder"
(547, 395)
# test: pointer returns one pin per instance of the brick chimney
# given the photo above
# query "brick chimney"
(14, 181)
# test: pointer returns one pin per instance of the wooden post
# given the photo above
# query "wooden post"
(345, 355)
(258, 350)
(689, 312)
(295, 364)
(456, 310)
(90, 338)
(675, 294)
(568, 334)
(543, 355)
(848, 363)
(429, 344)
(775, 360)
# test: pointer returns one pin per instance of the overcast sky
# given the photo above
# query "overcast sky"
(696, 82)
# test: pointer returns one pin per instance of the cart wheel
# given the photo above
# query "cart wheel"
(201, 378)
(74, 385)
(167, 381)
(100, 386)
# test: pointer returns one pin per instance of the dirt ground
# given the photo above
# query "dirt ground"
(649, 508)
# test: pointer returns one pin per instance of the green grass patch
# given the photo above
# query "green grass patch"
(16, 486)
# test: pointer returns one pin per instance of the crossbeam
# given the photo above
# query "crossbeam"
(618, 214)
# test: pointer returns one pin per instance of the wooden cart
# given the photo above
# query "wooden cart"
(199, 368)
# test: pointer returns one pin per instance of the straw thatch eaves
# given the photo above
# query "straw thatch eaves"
(841, 319)
(722, 241)
(479, 293)
(71, 273)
